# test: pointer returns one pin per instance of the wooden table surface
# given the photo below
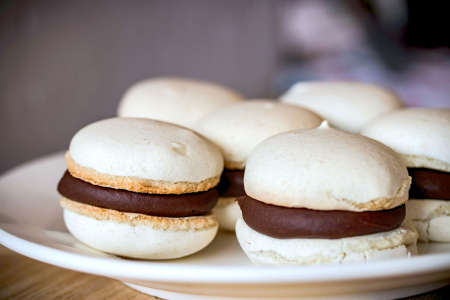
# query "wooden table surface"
(25, 278)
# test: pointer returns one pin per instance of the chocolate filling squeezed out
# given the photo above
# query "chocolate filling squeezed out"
(231, 183)
(284, 222)
(429, 184)
(184, 205)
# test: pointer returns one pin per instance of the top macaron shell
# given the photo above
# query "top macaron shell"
(326, 169)
(420, 135)
(346, 105)
(238, 128)
(145, 149)
(175, 100)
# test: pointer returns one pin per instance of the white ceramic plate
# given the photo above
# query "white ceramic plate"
(32, 225)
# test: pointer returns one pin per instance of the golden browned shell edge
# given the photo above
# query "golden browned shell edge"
(421, 161)
(135, 184)
(195, 223)
(234, 165)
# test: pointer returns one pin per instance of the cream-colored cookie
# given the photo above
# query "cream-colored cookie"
(144, 155)
(420, 135)
(346, 105)
(263, 249)
(238, 128)
(326, 169)
(227, 212)
(431, 219)
(175, 100)
(138, 235)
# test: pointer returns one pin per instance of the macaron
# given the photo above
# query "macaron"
(421, 136)
(175, 100)
(236, 130)
(317, 196)
(141, 188)
(346, 105)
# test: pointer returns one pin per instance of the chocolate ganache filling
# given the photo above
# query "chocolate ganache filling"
(163, 205)
(285, 222)
(429, 184)
(231, 183)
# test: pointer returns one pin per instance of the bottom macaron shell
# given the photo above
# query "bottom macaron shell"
(143, 240)
(431, 219)
(262, 249)
(227, 212)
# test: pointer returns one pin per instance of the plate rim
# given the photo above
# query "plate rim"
(165, 272)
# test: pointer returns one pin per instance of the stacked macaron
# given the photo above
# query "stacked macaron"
(294, 192)
(237, 129)
(175, 100)
(422, 138)
(324, 196)
(141, 188)
(346, 105)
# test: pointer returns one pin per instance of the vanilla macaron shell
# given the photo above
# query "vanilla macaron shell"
(420, 135)
(346, 105)
(238, 128)
(137, 235)
(175, 100)
(431, 218)
(144, 155)
(263, 249)
(227, 212)
(326, 169)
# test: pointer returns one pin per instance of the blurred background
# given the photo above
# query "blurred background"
(64, 64)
